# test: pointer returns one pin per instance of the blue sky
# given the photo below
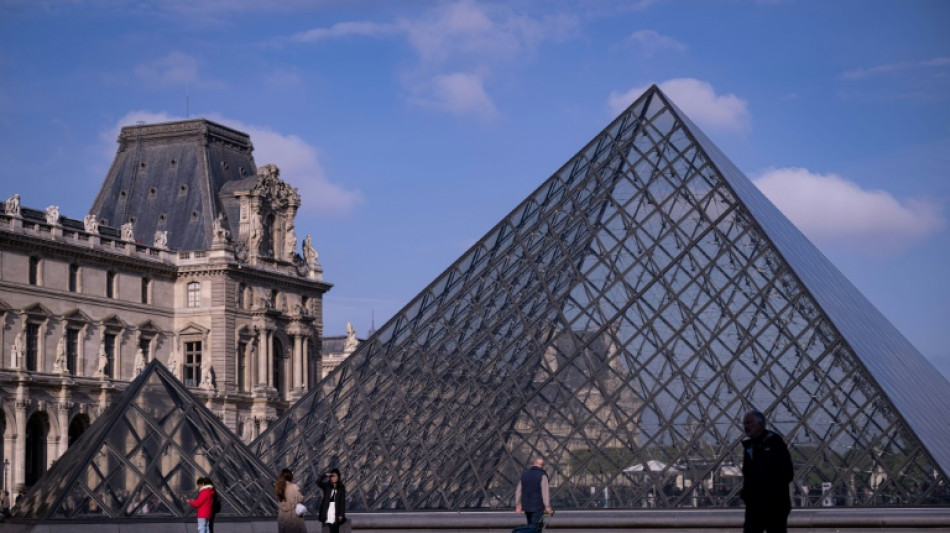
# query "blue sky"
(412, 127)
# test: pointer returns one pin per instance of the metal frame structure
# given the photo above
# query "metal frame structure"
(618, 323)
(143, 455)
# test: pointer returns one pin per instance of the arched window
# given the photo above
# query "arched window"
(76, 428)
(193, 298)
(37, 430)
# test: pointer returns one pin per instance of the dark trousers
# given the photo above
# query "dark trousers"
(534, 518)
(770, 520)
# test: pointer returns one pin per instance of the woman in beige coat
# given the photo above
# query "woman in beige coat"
(288, 496)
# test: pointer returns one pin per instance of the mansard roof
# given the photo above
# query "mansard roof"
(167, 176)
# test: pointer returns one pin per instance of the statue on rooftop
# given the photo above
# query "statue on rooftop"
(52, 215)
(310, 254)
(161, 239)
(91, 224)
(12, 207)
(351, 343)
(128, 231)
(220, 234)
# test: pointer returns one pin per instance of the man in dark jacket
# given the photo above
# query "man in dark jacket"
(532, 494)
(766, 473)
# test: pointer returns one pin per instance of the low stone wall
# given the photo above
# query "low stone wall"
(606, 521)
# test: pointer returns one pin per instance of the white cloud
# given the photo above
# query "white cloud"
(347, 29)
(698, 99)
(649, 42)
(458, 46)
(298, 161)
(833, 211)
(175, 68)
(460, 93)
(891, 68)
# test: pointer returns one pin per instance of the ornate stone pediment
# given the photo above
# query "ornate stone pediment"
(269, 186)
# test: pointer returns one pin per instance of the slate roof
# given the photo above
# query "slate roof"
(168, 176)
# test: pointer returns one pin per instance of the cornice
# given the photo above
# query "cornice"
(111, 304)
(29, 242)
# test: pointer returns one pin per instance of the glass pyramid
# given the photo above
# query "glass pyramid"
(618, 323)
(142, 456)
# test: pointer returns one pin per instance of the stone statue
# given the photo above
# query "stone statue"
(59, 365)
(257, 234)
(91, 224)
(290, 243)
(310, 254)
(349, 346)
(247, 432)
(52, 215)
(219, 233)
(207, 378)
(173, 363)
(103, 361)
(128, 231)
(139, 363)
(12, 207)
(161, 239)
(16, 354)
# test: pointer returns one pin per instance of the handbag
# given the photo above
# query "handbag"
(300, 509)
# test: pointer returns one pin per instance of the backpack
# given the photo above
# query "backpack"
(215, 504)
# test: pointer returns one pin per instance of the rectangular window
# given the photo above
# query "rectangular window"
(110, 284)
(194, 294)
(34, 271)
(109, 342)
(146, 288)
(73, 278)
(32, 346)
(72, 350)
(192, 366)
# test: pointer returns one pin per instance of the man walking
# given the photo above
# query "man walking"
(766, 473)
(533, 495)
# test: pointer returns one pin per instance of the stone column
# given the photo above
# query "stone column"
(18, 474)
(62, 418)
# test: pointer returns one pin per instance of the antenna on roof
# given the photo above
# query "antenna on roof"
(187, 110)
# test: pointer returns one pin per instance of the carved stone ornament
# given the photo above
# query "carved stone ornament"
(269, 185)
(91, 224)
(128, 231)
(52, 215)
(12, 206)
(161, 239)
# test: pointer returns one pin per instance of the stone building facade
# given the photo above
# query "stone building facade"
(189, 255)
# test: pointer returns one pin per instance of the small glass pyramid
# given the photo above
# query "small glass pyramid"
(618, 323)
(140, 459)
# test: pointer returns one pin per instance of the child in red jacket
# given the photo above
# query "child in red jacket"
(203, 503)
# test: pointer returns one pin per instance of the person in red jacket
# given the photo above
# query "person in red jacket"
(203, 503)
